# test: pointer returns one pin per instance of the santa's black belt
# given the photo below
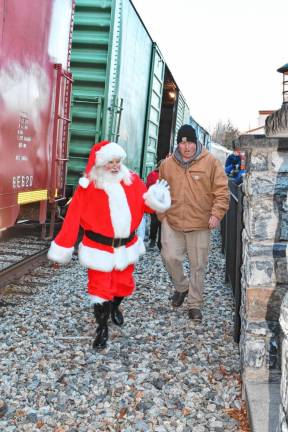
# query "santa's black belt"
(109, 241)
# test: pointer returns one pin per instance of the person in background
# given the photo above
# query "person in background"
(108, 204)
(234, 167)
(155, 225)
(200, 198)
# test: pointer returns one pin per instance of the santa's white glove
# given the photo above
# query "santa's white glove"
(158, 197)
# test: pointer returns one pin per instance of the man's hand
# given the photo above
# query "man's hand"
(213, 222)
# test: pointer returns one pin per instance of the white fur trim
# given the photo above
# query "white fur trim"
(97, 259)
(59, 254)
(126, 175)
(141, 246)
(119, 209)
(95, 299)
(141, 230)
(158, 198)
(84, 182)
(108, 152)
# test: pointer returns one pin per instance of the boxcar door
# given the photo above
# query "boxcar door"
(153, 111)
(90, 66)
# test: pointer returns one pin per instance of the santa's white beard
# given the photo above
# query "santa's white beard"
(117, 200)
(103, 178)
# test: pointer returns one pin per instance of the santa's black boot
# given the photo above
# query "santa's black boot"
(101, 313)
(116, 314)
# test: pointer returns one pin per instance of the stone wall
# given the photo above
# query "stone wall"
(283, 427)
(265, 238)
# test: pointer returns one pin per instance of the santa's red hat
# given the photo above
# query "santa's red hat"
(100, 154)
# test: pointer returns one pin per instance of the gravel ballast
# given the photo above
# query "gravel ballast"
(160, 371)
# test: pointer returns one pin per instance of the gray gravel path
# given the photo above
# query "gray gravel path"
(160, 371)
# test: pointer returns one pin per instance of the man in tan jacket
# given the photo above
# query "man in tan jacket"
(200, 198)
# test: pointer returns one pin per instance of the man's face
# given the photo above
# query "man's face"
(187, 149)
(113, 166)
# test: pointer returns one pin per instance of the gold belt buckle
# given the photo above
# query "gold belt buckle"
(116, 244)
(120, 242)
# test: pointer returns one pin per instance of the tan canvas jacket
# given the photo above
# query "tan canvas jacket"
(197, 192)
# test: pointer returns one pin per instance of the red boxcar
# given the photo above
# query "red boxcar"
(35, 87)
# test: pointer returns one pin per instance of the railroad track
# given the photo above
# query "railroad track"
(15, 271)
(23, 256)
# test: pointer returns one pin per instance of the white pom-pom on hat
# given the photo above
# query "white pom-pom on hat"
(84, 182)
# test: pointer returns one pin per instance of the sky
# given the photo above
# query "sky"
(223, 54)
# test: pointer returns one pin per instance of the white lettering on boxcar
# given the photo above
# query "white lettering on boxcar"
(22, 181)
(22, 127)
(21, 158)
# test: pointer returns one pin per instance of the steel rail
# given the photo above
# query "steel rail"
(15, 271)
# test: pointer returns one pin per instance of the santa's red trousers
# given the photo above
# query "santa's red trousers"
(111, 284)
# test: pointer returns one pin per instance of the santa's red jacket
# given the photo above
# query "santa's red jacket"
(115, 211)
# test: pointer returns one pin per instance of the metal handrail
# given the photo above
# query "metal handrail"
(231, 232)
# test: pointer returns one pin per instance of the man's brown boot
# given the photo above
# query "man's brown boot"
(178, 298)
(195, 314)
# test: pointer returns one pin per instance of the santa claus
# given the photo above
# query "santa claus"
(108, 204)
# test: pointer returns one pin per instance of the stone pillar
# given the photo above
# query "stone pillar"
(264, 270)
(283, 426)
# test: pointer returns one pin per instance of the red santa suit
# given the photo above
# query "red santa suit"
(109, 209)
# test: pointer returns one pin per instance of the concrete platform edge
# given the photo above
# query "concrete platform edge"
(263, 400)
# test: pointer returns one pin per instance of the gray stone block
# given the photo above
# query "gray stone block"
(262, 328)
(283, 236)
(257, 184)
(284, 315)
(281, 268)
(254, 353)
(259, 273)
(261, 220)
(279, 161)
(275, 250)
(257, 162)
